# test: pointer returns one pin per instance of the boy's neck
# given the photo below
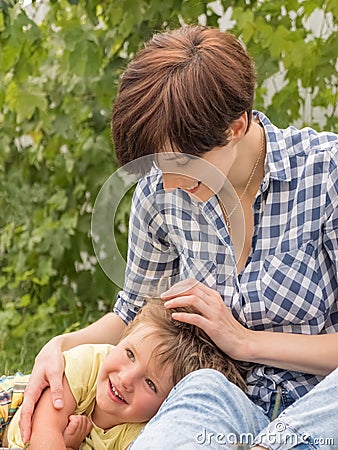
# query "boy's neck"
(102, 420)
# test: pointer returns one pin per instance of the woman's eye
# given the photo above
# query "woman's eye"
(183, 161)
(151, 385)
(130, 355)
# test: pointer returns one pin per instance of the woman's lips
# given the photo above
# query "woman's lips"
(193, 188)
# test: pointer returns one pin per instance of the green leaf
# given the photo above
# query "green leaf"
(25, 300)
(309, 6)
(279, 41)
(25, 99)
(243, 18)
(332, 6)
(41, 282)
(58, 201)
(2, 22)
(192, 9)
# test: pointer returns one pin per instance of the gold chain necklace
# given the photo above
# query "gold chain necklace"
(224, 211)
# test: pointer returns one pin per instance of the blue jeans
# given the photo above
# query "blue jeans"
(205, 410)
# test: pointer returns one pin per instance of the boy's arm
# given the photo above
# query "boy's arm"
(48, 424)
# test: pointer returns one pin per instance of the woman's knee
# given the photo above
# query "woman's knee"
(206, 377)
(210, 391)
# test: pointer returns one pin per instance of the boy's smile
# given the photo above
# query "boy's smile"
(114, 394)
(130, 385)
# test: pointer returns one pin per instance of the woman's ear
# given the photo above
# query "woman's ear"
(238, 128)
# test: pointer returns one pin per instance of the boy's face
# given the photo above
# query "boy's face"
(130, 385)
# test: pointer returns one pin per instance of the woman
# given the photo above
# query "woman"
(265, 287)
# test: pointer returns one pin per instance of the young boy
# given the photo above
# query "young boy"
(121, 387)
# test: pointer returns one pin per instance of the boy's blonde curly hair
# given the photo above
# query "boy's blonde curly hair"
(186, 347)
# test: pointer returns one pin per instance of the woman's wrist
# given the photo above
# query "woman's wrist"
(69, 340)
(247, 348)
(261, 347)
(60, 342)
(52, 348)
(241, 347)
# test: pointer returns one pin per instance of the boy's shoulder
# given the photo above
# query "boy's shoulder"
(85, 357)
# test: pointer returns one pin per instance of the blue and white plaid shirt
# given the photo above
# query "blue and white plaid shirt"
(290, 282)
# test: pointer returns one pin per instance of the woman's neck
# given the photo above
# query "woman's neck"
(247, 171)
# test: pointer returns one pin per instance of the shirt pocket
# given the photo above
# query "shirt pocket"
(291, 286)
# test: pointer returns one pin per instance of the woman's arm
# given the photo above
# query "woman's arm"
(48, 423)
(49, 367)
(315, 354)
(106, 330)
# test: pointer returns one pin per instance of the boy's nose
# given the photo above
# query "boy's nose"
(128, 379)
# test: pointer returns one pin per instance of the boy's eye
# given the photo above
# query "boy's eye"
(130, 355)
(151, 385)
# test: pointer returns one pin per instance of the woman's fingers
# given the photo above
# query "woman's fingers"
(180, 288)
(207, 301)
(188, 285)
(31, 397)
(56, 390)
(185, 286)
(192, 319)
(32, 394)
(48, 371)
(211, 314)
(200, 307)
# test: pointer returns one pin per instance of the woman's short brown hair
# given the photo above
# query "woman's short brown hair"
(186, 347)
(181, 92)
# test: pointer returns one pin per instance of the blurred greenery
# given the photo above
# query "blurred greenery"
(60, 62)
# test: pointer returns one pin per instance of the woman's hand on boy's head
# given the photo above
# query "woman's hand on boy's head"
(47, 371)
(212, 315)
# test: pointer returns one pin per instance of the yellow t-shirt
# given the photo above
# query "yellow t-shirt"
(82, 365)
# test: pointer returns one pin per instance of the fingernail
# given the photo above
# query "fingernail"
(58, 403)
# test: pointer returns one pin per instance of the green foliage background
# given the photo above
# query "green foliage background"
(58, 78)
